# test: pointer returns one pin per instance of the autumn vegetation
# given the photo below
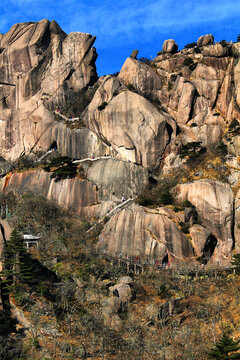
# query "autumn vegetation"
(60, 289)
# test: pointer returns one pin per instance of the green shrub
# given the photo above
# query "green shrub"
(184, 227)
(158, 195)
(193, 124)
(234, 123)
(187, 203)
(190, 45)
(173, 77)
(196, 50)
(225, 348)
(223, 43)
(131, 88)
(177, 209)
(145, 60)
(221, 149)
(192, 150)
(188, 61)
(170, 85)
(63, 168)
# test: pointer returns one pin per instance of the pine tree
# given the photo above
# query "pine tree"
(238, 38)
(15, 266)
(236, 262)
(225, 349)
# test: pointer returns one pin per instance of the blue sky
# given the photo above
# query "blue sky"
(124, 25)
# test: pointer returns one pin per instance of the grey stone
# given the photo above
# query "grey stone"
(205, 40)
(126, 280)
(169, 47)
(122, 291)
(134, 54)
(5, 167)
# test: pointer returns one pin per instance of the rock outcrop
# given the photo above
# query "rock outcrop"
(169, 47)
(146, 233)
(138, 125)
(134, 54)
(205, 40)
(108, 182)
(45, 68)
(136, 130)
(214, 203)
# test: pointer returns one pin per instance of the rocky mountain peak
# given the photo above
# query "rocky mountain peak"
(163, 133)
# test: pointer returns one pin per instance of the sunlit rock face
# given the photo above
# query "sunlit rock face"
(138, 123)
(107, 182)
(146, 233)
(214, 203)
(136, 130)
(44, 68)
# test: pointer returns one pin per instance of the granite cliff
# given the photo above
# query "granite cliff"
(175, 117)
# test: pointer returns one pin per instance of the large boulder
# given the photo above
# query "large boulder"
(136, 130)
(169, 47)
(140, 76)
(214, 203)
(134, 54)
(110, 307)
(200, 236)
(216, 50)
(139, 231)
(116, 178)
(205, 40)
(122, 291)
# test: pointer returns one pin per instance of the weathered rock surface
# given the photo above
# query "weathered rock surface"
(47, 69)
(169, 47)
(80, 195)
(122, 291)
(199, 236)
(110, 308)
(205, 40)
(141, 76)
(108, 181)
(214, 203)
(117, 179)
(76, 143)
(136, 130)
(145, 232)
(141, 118)
(134, 54)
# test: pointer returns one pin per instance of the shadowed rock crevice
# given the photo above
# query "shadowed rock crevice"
(208, 249)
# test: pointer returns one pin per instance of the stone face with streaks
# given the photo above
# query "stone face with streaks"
(214, 203)
(138, 231)
(48, 68)
(136, 130)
